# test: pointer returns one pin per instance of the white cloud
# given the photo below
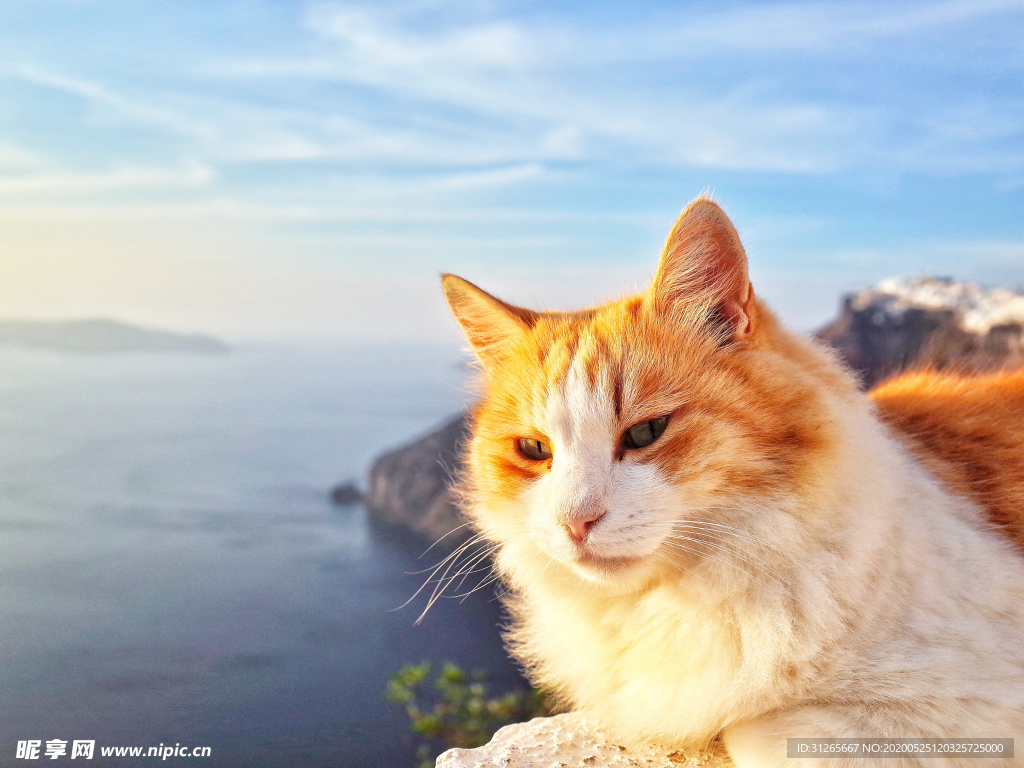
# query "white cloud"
(414, 107)
(757, 29)
(555, 86)
(229, 212)
(193, 175)
(377, 44)
(244, 131)
(435, 187)
(135, 110)
(14, 158)
(266, 136)
(495, 91)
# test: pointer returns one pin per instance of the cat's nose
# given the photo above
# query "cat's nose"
(579, 525)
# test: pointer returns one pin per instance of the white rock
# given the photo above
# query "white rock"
(977, 309)
(568, 741)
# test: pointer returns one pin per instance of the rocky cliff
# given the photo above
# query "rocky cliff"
(926, 321)
(898, 324)
(409, 486)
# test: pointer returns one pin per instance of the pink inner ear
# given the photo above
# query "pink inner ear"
(704, 262)
(728, 278)
(739, 313)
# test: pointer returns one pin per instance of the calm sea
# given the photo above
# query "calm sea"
(171, 571)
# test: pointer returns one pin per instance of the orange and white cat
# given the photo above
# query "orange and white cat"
(708, 529)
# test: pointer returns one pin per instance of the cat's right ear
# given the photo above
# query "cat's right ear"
(702, 276)
(490, 325)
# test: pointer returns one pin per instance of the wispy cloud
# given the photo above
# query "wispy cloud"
(14, 158)
(543, 77)
(193, 175)
(754, 29)
(254, 215)
(131, 109)
(489, 89)
(382, 135)
(233, 131)
(376, 39)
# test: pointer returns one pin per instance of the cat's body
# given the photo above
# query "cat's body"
(707, 528)
(969, 431)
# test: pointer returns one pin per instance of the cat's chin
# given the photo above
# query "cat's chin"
(610, 570)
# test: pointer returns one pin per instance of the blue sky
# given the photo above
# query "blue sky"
(296, 169)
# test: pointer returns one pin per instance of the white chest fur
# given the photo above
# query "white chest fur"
(897, 614)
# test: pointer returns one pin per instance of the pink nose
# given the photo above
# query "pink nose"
(579, 526)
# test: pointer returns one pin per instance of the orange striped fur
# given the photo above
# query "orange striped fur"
(968, 430)
(707, 529)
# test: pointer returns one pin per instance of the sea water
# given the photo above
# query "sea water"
(172, 572)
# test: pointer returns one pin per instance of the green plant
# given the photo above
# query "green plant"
(459, 714)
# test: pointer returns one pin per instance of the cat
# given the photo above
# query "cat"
(708, 531)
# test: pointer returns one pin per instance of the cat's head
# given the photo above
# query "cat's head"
(617, 441)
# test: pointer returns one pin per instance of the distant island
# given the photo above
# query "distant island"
(102, 337)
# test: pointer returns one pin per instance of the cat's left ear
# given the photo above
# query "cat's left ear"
(491, 326)
(703, 272)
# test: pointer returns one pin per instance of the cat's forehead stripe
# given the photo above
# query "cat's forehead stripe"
(572, 342)
(595, 358)
(556, 359)
(617, 391)
(580, 411)
(590, 348)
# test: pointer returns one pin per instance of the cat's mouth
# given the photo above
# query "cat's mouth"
(604, 566)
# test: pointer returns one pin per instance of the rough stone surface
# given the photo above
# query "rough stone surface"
(928, 321)
(409, 486)
(977, 309)
(569, 741)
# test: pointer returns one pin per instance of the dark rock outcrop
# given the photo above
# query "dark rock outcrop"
(410, 485)
(928, 322)
(346, 494)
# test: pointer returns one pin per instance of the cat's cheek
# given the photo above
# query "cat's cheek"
(621, 548)
(505, 523)
(546, 531)
(541, 521)
(641, 503)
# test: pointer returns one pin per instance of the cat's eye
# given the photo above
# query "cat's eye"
(646, 432)
(534, 450)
